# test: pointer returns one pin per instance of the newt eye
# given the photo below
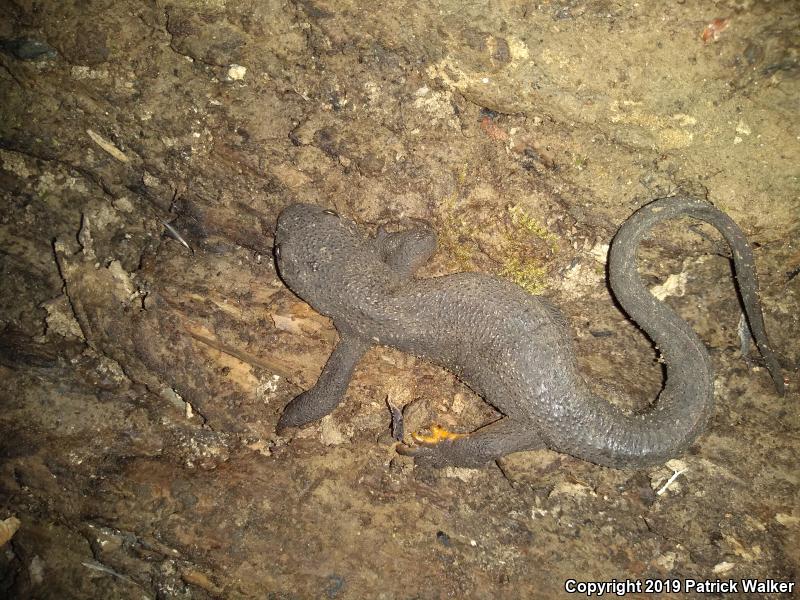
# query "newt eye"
(277, 251)
(328, 211)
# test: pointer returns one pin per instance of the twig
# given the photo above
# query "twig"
(675, 475)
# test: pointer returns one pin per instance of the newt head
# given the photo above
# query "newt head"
(313, 247)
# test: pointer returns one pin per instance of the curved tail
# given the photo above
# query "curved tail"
(686, 403)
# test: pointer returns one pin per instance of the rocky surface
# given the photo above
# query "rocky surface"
(141, 379)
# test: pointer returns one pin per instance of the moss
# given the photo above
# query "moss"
(526, 274)
(457, 233)
(522, 219)
(511, 241)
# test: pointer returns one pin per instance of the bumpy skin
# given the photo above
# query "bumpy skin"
(508, 346)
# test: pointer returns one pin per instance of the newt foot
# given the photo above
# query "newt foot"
(437, 435)
(442, 448)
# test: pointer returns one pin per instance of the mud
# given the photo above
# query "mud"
(141, 380)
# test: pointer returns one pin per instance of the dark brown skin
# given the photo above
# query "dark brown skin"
(511, 348)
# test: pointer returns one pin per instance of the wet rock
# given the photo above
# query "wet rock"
(572, 489)
(336, 585)
(8, 527)
(60, 319)
(199, 579)
(201, 448)
(207, 38)
(443, 539)
(235, 73)
(330, 432)
(28, 49)
(82, 47)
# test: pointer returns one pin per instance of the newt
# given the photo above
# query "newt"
(510, 347)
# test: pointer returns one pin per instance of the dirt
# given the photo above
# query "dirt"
(142, 373)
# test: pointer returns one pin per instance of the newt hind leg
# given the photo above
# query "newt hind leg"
(445, 449)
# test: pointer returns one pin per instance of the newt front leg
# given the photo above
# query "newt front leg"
(330, 387)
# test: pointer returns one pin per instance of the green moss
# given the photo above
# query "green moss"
(511, 237)
(526, 274)
(457, 233)
(522, 219)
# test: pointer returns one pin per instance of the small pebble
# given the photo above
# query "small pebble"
(236, 72)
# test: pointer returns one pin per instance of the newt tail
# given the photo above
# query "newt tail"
(686, 403)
